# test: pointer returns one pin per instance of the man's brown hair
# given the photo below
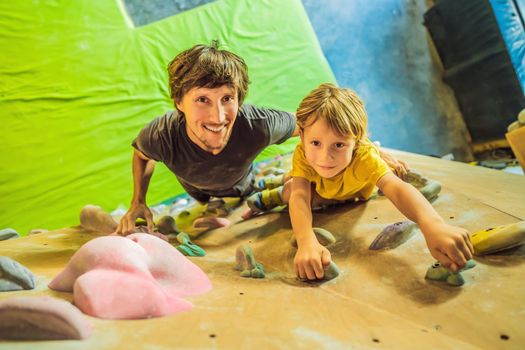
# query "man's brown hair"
(207, 66)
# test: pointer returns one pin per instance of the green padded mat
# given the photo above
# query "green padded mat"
(77, 83)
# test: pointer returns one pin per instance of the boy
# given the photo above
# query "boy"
(335, 162)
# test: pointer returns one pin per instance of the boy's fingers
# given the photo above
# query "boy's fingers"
(443, 259)
(456, 255)
(465, 249)
(318, 269)
(326, 258)
(310, 273)
(405, 165)
(469, 244)
(299, 271)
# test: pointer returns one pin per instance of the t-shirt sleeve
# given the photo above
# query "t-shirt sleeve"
(153, 139)
(370, 167)
(300, 167)
(279, 125)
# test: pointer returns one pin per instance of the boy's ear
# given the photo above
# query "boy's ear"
(301, 134)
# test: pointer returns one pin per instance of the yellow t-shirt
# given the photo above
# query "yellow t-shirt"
(358, 180)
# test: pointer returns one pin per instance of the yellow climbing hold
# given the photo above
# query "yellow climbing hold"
(498, 238)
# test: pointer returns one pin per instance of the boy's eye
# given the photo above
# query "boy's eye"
(315, 143)
(339, 145)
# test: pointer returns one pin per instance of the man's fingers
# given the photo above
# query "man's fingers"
(149, 222)
(119, 228)
(129, 227)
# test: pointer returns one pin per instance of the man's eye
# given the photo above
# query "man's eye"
(202, 99)
(228, 98)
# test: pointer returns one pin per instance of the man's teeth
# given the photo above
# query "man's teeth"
(217, 129)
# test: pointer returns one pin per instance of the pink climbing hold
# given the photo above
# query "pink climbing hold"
(124, 296)
(137, 276)
(211, 222)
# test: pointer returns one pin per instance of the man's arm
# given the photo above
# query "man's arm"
(296, 131)
(311, 256)
(449, 244)
(142, 170)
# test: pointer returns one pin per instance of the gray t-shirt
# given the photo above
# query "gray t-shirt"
(226, 174)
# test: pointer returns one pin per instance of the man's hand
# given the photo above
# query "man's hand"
(450, 245)
(126, 225)
(310, 260)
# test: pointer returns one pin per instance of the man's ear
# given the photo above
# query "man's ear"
(178, 105)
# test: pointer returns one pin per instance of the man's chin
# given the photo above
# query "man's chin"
(215, 147)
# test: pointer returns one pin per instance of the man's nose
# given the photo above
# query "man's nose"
(218, 114)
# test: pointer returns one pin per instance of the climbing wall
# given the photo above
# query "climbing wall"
(380, 300)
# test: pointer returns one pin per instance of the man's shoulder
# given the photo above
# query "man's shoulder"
(252, 112)
(169, 120)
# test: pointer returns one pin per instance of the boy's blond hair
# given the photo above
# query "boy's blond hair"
(342, 109)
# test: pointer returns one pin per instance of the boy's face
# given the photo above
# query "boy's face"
(210, 114)
(326, 151)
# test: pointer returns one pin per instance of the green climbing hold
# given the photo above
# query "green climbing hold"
(187, 247)
(439, 273)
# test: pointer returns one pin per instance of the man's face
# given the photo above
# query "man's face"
(210, 114)
(326, 151)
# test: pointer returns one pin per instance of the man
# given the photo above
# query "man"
(210, 141)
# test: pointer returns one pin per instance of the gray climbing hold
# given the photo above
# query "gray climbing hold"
(41, 318)
(14, 276)
(393, 235)
(331, 271)
(428, 188)
(8, 233)
(166, 225)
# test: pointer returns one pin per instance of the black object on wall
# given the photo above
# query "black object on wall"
(477, 65)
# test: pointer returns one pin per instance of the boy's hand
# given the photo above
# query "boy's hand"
(399, 167)
(310, 260)
(450, 245)
(126, 225)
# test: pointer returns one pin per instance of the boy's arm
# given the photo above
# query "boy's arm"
(142, 170)
(311, 256)
(449, 244)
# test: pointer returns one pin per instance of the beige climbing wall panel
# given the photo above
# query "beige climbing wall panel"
(381, 298)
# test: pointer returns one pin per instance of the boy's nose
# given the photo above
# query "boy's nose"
(327, 155)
